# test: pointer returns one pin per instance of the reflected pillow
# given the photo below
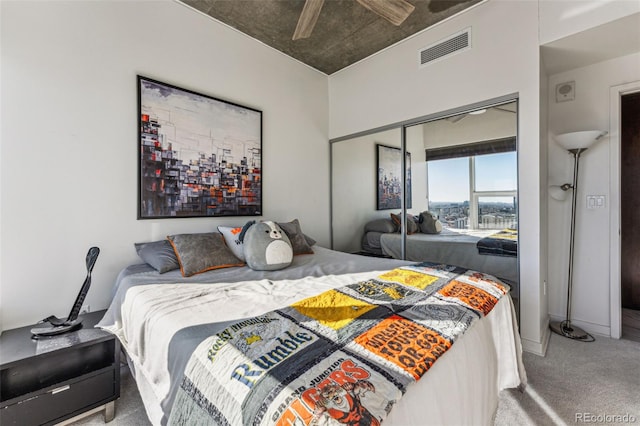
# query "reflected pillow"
(159, 255)
(297, 238)
(380, 225)
(412, 223)
(199, 253)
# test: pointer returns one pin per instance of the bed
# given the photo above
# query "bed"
(493, 252)
(163, 320)
(453, 248)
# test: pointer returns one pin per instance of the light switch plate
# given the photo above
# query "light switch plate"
(596, 201)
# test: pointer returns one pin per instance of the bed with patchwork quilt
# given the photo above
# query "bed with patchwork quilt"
(382, 341)
(501, 243)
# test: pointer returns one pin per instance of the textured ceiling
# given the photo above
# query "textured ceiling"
(345, 32)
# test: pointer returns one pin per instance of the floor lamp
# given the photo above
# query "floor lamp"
(576, 143)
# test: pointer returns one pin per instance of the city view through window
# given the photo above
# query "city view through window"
(474, 193)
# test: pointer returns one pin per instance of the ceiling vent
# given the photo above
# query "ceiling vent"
(453, 44)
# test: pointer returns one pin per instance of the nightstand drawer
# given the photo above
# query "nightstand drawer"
(55, 367)
(74, 397)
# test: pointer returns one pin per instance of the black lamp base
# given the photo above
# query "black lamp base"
(53, 330)
(566, 329)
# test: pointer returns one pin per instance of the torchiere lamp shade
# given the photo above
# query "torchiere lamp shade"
(578, 140)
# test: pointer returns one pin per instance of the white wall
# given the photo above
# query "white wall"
(390, 87)
(561, 18)
(69, 138)
(589, 111)
(416, 146)
(354, 189)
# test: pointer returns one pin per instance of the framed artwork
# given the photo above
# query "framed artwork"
(389, 193)
(198, 156)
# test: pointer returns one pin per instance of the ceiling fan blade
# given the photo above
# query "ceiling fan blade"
(394, 11)
(454, 119)
(308, 18)
(503, 109)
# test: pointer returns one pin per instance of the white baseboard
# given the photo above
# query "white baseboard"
(538, 348)
(589, 327)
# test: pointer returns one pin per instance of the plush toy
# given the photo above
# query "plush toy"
(429, 223)
(266, 246)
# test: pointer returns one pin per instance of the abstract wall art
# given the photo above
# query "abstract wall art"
(198, 155)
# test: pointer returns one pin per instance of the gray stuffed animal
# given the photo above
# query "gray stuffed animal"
(429, 223)
(266, 247)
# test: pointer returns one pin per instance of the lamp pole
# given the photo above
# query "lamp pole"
(565, 328)
(574, 198)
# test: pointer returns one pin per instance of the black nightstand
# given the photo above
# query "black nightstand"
(53, 379)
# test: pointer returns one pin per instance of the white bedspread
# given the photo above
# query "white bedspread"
(461, 388)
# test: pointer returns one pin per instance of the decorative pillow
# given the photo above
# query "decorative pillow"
(198, 253)
(231, 235)
(266, 246)
(309, 240)
(296, 237)
(412, 225)
(380, 225)
(159, 255)
(429, 223)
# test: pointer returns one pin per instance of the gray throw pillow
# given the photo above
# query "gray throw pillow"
(309, 240)
(412, 223)
(159, 255)
(382, 225)
(296, 237)
(199, 253)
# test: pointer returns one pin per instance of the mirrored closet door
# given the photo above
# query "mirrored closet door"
(460, 186)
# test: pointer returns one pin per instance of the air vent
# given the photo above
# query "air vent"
(453, 44)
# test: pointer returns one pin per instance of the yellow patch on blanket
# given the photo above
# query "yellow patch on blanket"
(333, 309)
(412, 278)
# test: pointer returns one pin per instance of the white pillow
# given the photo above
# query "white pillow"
(230, 234)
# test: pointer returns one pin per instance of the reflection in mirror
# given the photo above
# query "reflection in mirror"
(472, 169)
(462, 187)
(471, 175)
(362, 192)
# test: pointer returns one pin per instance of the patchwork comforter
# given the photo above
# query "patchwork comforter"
(344, 356)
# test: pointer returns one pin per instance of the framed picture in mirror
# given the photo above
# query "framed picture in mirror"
(389, 177)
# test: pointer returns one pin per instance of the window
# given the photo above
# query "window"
(496, 172)
(474, 186)
(496, 212)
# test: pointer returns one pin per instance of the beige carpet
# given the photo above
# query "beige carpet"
(589, 381)
(577, 383)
